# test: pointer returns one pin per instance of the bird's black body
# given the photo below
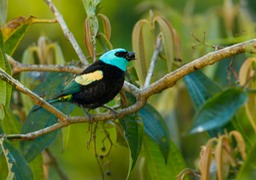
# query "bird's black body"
(100, 82)
(102, 91)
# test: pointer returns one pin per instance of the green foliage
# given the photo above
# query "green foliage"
(133, 132)
(218, 110)
(10, 124)
(152, 151)
(200, 87)
(45, 52)
(144, 35)
(155, 127)
(52, 85)
(6, 89)
(248, 170)
(156, 165)
(14, 31)
(18, 167)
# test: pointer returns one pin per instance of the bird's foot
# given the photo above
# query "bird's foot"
(87, 114)
(112, 110)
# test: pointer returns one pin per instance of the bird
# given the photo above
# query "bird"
(100, 82)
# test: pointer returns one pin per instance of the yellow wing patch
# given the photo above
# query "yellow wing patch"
(88, 78)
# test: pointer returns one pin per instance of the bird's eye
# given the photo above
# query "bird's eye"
(120, 54)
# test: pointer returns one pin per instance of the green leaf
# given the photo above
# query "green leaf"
(14, 31)
(37, 120)
(156, 165)
(6, 89)
(218, 110)
(200, 87)
(10, 124)
(133, 132)
(41, 118)
(155, 128)
(37, 168)
(17, 165)
(3, 165)
(248, 169)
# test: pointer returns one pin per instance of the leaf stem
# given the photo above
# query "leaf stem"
(155, 55)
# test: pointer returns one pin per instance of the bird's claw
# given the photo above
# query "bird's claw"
(112, 110)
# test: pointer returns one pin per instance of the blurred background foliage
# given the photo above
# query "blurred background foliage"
(201, 26)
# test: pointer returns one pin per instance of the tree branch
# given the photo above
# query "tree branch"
(18, 67)
(38, 100)
(141, 95)
(68, 34)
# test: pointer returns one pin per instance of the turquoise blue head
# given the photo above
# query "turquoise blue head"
(118, 57)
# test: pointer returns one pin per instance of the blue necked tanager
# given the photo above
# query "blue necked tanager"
(100, 82)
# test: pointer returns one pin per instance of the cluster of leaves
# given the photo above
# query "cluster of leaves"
(146, 132)
(156, 141)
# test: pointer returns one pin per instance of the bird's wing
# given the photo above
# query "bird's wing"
(82, 80)
(88, 78)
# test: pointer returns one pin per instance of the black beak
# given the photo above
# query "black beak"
(130, 56)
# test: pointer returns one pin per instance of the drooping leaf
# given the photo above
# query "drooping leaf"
(155, 127)
(200, 87)
(246, 74)
(106, 25)
(88, 38)
(156, 165)
(133, 132)
(17, 165)
(218, 110)
(14, 31)
(142, 46)
(168, 39)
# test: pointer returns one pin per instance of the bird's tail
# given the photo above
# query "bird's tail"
(52, 101)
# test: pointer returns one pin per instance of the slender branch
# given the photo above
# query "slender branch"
(157, 50)
(68, 34)
(141, 95)
(171, 78)
(18, 67)
(38, 100)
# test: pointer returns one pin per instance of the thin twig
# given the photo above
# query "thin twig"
(142, 95)
(56, 165)
(68, 34)
(157, 50)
